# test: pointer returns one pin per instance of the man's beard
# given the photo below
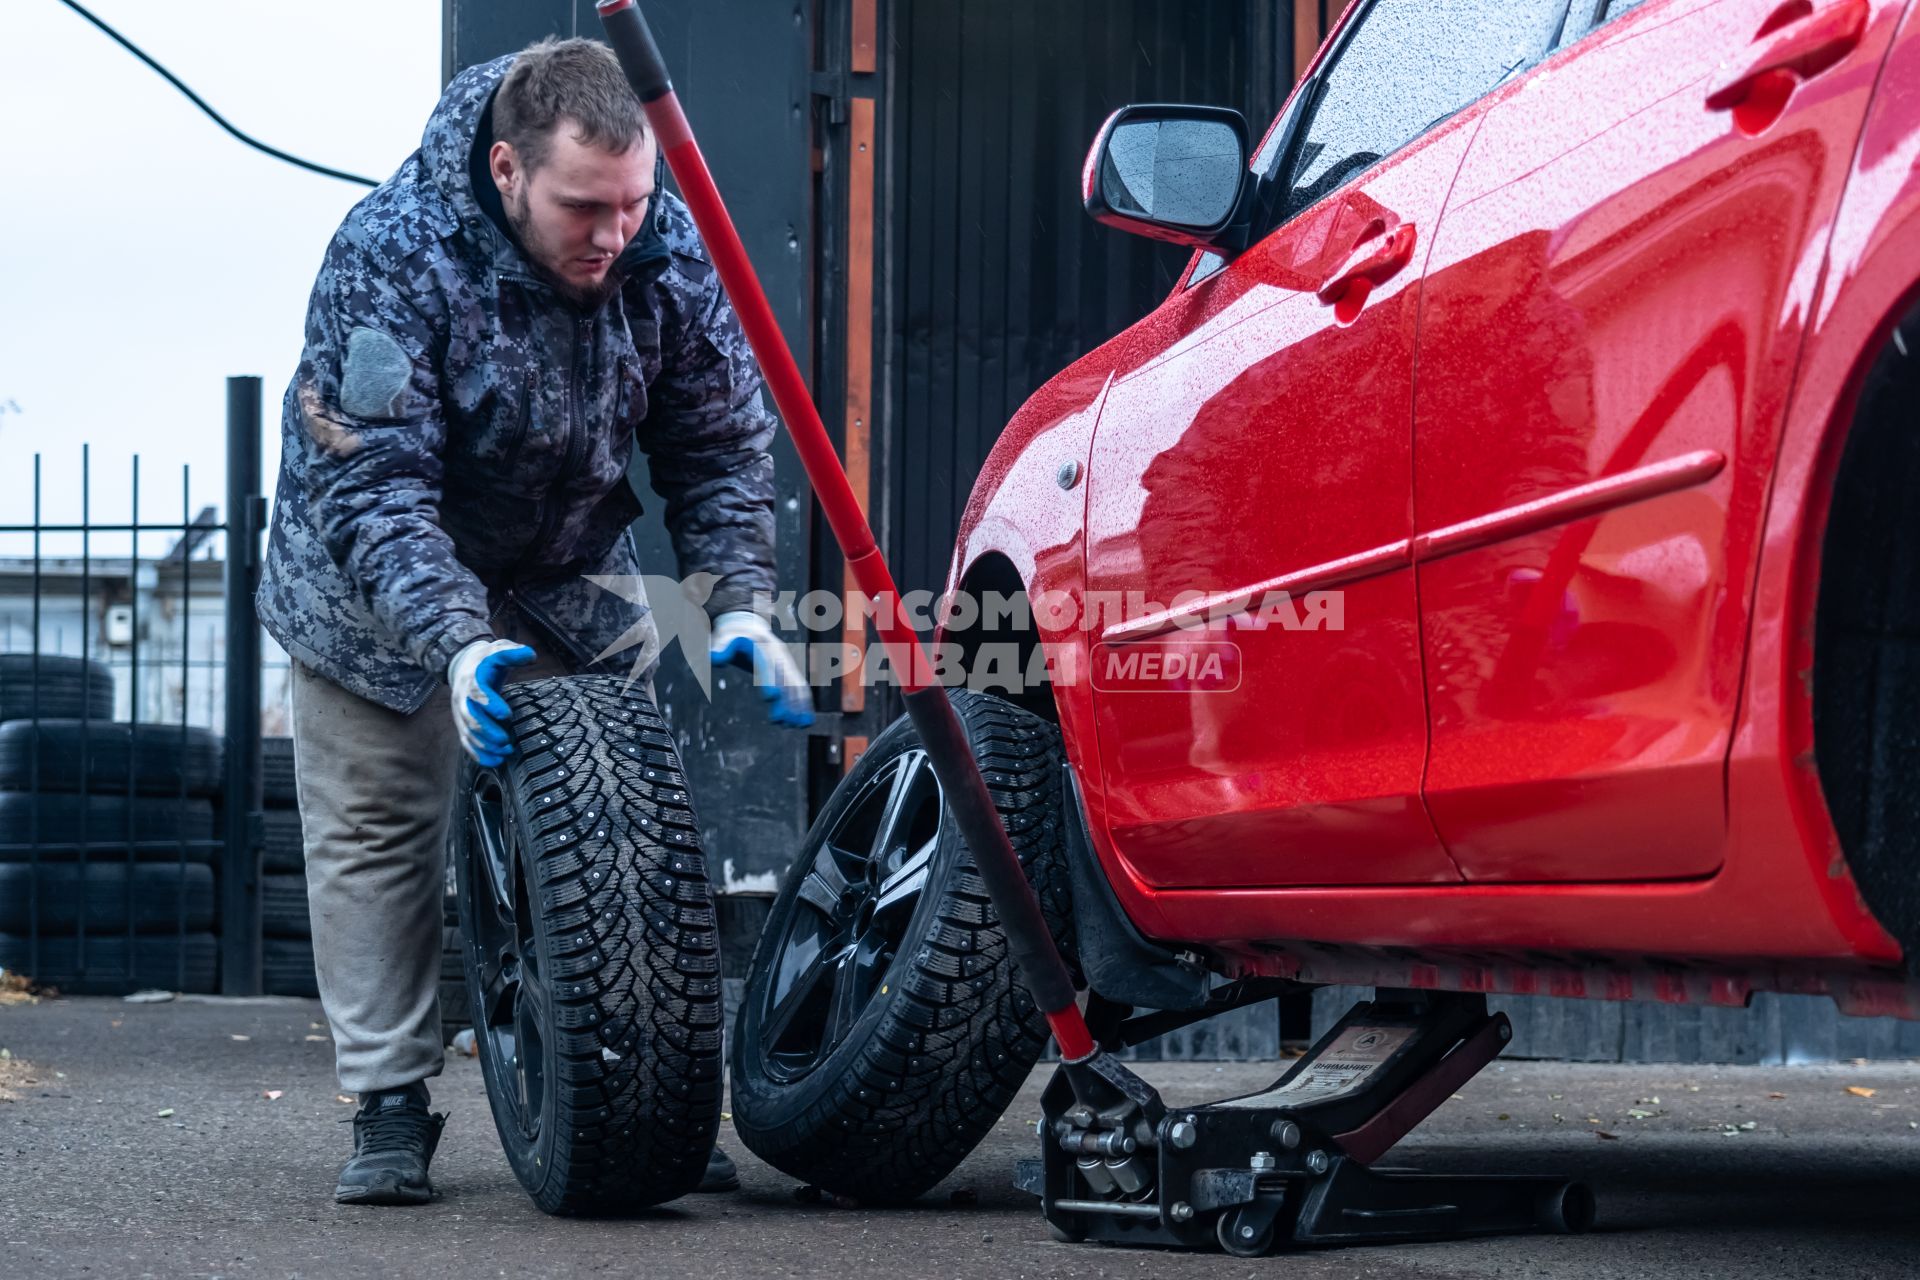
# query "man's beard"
(587, 297)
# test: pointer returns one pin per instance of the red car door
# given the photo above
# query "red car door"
(1613, 311)
(1257, 436)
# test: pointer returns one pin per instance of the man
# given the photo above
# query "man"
(491, 332)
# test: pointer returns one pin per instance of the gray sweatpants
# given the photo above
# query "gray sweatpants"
(376, 787)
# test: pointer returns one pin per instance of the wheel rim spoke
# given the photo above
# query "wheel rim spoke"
(853, 975)
(904, 886)
(907, 778)
(797, 994)
(529, 1062)
(494, 836)
(499, 979)
(825, 886)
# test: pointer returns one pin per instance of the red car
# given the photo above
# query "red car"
(1533, 442)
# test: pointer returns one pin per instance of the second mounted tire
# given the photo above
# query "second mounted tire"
(884, 1029)
(592, 961)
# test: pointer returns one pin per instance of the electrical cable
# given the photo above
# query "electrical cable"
(213, 115)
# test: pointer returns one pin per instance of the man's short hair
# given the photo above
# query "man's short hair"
(566, 81)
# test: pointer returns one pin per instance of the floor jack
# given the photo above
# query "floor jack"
(1119, 1166)
(1295, 1163)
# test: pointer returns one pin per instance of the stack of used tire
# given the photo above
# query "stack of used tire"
(286, 950)
(107, 836)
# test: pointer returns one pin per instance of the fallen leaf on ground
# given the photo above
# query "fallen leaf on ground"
(1776, 1095)
(1640, 1113)
(163, 1113)
(321, 1039)
(272, 1095)
(341, 1097)
(231, 1036)
(1860, 1091)
(1610, 1137)
(18, 988)
(1647, 1102)
(1504, 1116)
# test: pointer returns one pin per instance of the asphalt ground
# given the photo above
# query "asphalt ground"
(139, 1140)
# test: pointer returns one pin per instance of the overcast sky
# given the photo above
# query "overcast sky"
(146, 254)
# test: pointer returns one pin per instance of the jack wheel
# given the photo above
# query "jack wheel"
(1240, 1237)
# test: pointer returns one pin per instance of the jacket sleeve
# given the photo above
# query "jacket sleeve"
(706, 435)
(373, 443)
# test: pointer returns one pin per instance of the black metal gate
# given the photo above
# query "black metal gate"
(130, 737)
(992, 277)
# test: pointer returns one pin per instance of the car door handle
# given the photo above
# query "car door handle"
(1798, 42)
(1377, 258)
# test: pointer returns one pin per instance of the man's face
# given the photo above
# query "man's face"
(576, 212)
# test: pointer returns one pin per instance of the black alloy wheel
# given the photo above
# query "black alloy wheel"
(884, 1029)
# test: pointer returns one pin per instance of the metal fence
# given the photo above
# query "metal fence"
(130, 728)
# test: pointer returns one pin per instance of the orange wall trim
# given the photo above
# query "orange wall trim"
(1306, 34)
(859, 409)
(866, 57)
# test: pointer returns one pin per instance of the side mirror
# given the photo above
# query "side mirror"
(1171, 173)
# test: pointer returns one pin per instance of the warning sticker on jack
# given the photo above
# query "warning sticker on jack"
(1342, 1068)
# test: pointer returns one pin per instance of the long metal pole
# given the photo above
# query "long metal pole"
(940, 730)
(240, 861)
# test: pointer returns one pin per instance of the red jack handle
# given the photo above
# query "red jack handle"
(933, 716)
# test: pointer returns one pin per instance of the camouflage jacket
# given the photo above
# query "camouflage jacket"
(456, 438)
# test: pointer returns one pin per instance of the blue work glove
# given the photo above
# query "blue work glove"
(743, 639)
(480, 714)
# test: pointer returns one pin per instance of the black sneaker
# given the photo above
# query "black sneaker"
(394, 1136)
(720, 1175)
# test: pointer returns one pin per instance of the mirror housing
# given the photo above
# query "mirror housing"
(1171, 172)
